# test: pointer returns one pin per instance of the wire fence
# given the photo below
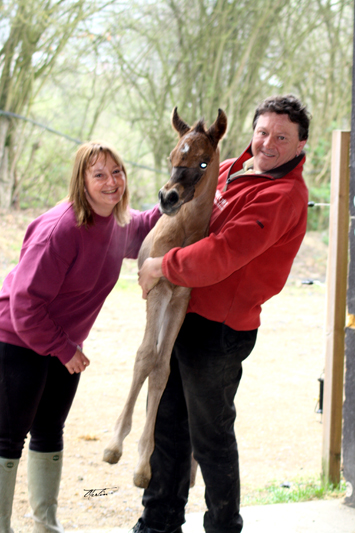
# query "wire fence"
(77, 141)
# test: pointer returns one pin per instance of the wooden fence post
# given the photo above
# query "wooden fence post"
(336, 308)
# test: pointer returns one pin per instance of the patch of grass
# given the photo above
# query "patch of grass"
(125, 284)
(293, 492)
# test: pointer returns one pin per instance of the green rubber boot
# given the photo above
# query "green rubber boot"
(44, 471)
(8, 471)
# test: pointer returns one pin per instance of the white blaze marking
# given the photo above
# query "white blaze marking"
(185, 148)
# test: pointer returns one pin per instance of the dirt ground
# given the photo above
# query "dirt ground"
(279, 433)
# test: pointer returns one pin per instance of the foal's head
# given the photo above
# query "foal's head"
(192, 161)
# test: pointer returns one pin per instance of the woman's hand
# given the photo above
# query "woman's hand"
(77, 363)
(149, 274)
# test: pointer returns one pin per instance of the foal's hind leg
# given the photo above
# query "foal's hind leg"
(158, 378)
(145, 360)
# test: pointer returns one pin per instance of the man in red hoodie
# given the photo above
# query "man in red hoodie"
(257, 226)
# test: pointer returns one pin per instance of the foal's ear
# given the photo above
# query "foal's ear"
(180, 126)
(218, 128)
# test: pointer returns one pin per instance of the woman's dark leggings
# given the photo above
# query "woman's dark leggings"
(36, 393)
(197, 413)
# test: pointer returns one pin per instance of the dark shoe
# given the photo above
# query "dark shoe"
(140, 527)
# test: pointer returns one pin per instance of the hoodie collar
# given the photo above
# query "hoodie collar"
(273, 174)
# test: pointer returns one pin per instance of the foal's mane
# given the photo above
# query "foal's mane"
(200, 127)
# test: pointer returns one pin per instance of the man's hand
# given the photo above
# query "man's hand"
(77, 363)
(149, 274)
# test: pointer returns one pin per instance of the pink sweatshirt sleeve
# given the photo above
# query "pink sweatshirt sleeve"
(140, 225)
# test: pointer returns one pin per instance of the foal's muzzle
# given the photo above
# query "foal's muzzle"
(169, 202)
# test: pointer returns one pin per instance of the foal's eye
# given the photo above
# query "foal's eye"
(203, 165)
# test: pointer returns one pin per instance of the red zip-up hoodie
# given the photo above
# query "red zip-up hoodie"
(257, 225)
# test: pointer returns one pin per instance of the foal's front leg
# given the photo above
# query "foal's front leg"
(158, 377)
(145, 361)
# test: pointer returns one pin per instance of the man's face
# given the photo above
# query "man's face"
(275, 141)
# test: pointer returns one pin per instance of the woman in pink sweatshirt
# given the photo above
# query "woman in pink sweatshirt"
(70, 260)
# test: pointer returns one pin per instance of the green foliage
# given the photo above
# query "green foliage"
(128, 280)
(33, 35)
(321, 151)
(128, 285)
(115, 70)
(43, 178)
(295, 491)
(318, 216)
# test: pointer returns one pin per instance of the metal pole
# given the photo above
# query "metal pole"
(349, 403)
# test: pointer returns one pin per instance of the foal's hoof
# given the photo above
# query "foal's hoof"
(111, 456)
(140, 480)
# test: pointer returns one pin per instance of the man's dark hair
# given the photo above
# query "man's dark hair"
(286, 105)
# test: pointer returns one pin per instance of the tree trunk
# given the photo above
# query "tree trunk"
(5, 181)
(6, 184)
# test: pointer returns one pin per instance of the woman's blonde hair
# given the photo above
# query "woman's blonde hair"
(87, 155)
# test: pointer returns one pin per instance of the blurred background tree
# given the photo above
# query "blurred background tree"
(34, 39)
(116, 70)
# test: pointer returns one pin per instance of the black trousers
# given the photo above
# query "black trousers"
(197, 413)
(36, 393)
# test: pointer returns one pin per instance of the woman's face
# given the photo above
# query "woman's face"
(105, 184)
